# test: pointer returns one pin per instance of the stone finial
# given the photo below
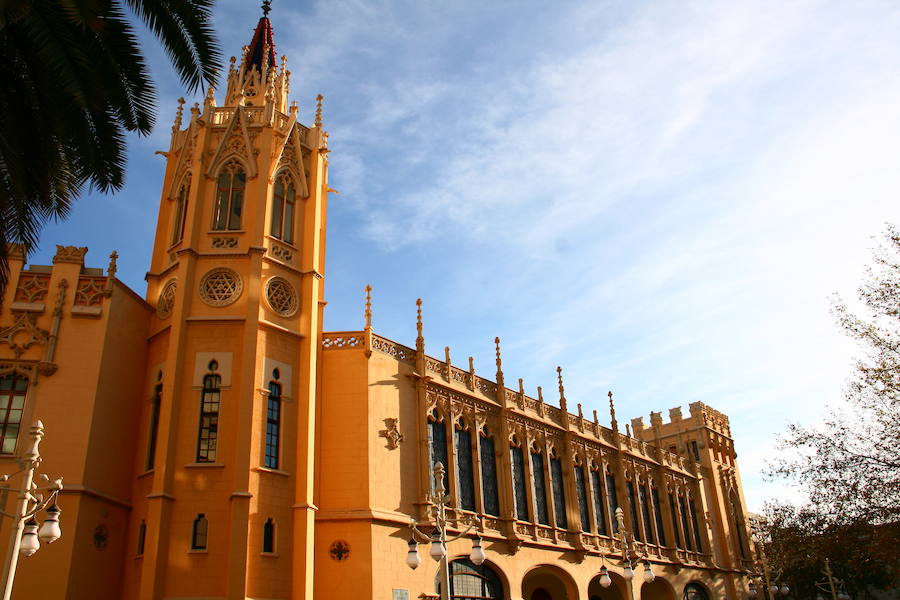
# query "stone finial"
(112, 268)
(637, 424)
(420, 341)
(612, 413)
(627, 430)
(368, 312)
(195, 111)
(499, 363)
(521, 386)
(656, 419)
(319, 100)
(178, 113)
(70, 254)
(294, 108)
(580, 413)
(540, 395)
(596, 420)
(562, 391)
(210, 100)
(266, 7)
(447, 356)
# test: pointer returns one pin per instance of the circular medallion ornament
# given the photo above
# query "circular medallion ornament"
(166, 301)
(281, 296)
(339, 550)
(101, 537)
(220, 287)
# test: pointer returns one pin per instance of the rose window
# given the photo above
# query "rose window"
(220, 287)
(166, 301)
(281, 296)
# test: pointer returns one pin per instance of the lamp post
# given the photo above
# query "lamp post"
(628, 552)
(439, 537)
(831, 585)
(26, 535)
(767, 580)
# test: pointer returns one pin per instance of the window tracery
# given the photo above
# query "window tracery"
(283, 208)
(207, 436)
(229, 197)
(180, 210)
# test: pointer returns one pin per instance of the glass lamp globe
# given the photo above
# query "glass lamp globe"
(604, 577)
(751, 592)
(773, 590)
(50, 531)
(477, 556)
(785, 590)
(437, 551)
(648, 572)
(628, 573)
(412, 557)
(30, 542)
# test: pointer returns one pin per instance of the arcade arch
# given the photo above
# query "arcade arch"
(658, 589)
(617, 589)
(549, 582)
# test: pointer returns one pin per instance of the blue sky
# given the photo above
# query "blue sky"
(658, 196)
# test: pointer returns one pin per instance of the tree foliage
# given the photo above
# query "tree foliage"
(75, 81)
(850, 465)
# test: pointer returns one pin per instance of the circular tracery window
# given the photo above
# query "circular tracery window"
(220, 287)
(281, 296)
(166, 301)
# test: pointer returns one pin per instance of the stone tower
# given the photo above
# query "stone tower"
(223, 500)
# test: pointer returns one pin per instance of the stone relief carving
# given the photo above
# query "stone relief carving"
(391, 434)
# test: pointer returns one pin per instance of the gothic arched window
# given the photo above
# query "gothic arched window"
(283, 204)
(273, 421)
(599, 501)
(464, 467)
(437, 443)
(517, 460)
(540, 486)
(473, 582)
(12, 401)
(209, 415)
(489, 492)
(695, 591)
(229, 197)
(180, 210)
(581, 491)
(557, 487)
(269, 536)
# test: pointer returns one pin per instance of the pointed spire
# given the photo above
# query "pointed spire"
(261, 52)
(319, 100)
(368, 312)
(178, 112)
(499, 363)
(540, 395)
(596, 420)
(420, 341)
(612, 413)
(562, 391)
(112, 268)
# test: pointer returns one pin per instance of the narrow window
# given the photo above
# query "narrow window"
(12, 400)
(517, 458)
(209, 415)
(738, 526)
(559, 493)
(660, 530)
(283, 198)
(697, 536)
(645, 512)
(273, 421)
(229, 198)
(180, 211)
(154, 425)
(612, 501)
(489, 475)
(540, 488)
(200, 532)
(464, 468)
(581, 490)
(696, 450)
(599, 508)
(437, 442)
(688, 542)
(632, 501)
(142, 535)
(674, 510)
(269, 536)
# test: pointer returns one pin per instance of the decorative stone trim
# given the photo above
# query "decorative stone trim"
(224, 242)
(166, 301)
(281, 296)
(281, 253)
(391, 434)
(221, 287)
(70, 254)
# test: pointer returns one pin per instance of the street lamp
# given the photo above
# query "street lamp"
(832, 585)
(26, 534)
(768, 582)
(628, 550)
(438, 538)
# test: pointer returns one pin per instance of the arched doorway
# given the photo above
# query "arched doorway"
(695, 591)
(616, 590)
(658, 589)
(469, 581)
(548, 582)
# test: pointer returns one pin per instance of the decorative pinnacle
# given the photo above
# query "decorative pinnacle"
(178, 112)
(420, 341)
(596, 420)
(368, 312)
(562, 391)
(319, 99)
(612, 412)
(111, 269)
(540, 395)
(266, 7)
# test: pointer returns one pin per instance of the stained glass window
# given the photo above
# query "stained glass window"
(540, 488)
(645, 512)
(209, 415)
(273, 422)
(657, 510)
(674, 510)
(489, 476)
(612, 501)
(12, 401)
(688, 542)
(517, 458)
(437, 441)
(632, 502)
(465, 470)
(581, 490)
(599, 508)
(229, 198)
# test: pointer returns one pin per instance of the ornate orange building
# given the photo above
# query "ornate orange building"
(215, 443)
